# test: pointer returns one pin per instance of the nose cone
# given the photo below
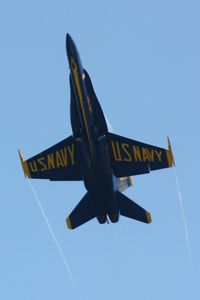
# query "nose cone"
(69, 40)
(68, 36)
(72, 51)
(70, 46)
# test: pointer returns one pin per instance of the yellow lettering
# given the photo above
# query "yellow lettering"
(33, 166)
(116, 151)
(137, 154)
(59, 161)
(145, 154)
(63, 153)
(150, 154)
(125, 148)
(50, 161)
(159, 155)
(71, 152)
(41, 163)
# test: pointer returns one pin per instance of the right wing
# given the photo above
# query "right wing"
(57, 163)
(130, 157)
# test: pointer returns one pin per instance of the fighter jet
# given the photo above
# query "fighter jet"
(104, 161)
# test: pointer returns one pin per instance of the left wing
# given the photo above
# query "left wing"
(58, 162)
(130, 157)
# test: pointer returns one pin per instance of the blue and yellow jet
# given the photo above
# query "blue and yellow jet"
(104, 161)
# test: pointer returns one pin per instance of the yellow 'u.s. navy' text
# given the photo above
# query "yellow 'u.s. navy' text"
(132, 153)
(58, 159)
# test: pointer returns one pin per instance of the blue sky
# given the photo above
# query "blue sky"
(143, 58)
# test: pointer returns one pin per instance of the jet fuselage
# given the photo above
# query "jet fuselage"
(89, 131)
(105, 161)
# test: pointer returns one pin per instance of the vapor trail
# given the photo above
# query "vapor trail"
(187, 237)
(53, 235)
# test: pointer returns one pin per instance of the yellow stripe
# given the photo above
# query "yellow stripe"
(148, 216)
(169, 158)
(69, 224)
(75, 74)
(24, 166)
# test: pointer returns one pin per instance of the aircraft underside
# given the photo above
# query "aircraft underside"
(104, 161)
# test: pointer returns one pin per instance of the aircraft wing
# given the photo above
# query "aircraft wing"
(57, 163)
(130, 157)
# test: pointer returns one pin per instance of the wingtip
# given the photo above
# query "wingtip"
(20, 155)
(69, 224)
(22, 161)
(148, 216)
(170, 155)
(24, 165)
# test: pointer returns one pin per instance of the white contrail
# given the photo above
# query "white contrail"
(187, 237)
(53, 235)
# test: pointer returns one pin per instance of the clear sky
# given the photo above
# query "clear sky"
(144, 61)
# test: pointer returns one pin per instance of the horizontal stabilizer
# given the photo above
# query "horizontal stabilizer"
(130, 209)
(81, 214)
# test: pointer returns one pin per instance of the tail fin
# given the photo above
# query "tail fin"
(130, 209)
(81, 214)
